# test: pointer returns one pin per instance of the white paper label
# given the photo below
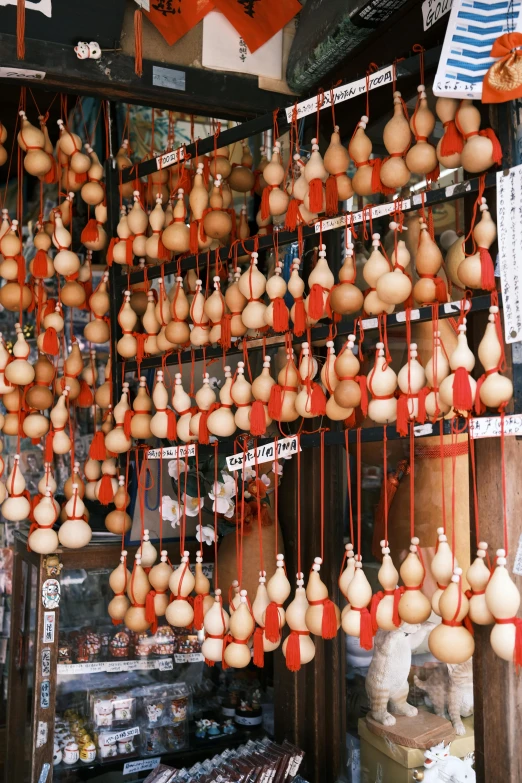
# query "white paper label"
(171, 452)
(414, 316)
(45, 694)
(21, 73)
(169, 78)
(433, 10)
(465, 57)
(49, 626)
(490, 426)
(517, 565)
(189, 657)
(370, 323)
(343, 93)
(169, 158)
(41, 734)
(456, 307)
(145, 4)
(509, 229)
(285, 448)
(224, 49)
(46, 662)
(93, 667)
(344, 221)
(120, 736)
(138, 766)
(422, 429)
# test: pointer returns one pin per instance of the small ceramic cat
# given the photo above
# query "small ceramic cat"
(387, 679)
(449, 689)
(441, 767)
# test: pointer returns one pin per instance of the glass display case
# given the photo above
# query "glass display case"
(91, 698)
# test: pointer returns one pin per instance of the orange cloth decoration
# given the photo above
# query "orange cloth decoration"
(258, 20)
(174, 18)
(503, 81)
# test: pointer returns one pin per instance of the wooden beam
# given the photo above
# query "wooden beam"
(199, 91)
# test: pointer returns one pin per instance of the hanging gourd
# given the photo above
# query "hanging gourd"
(72, 367)
(411, 381)
(116, 440)
(477, 270)
(177, 330)
(478, 576)
(179, 612)
(375, 267)
(441, 568)
(217, 223)
(281, 406)
(205, 400)
(428, 261)
(41, 266)
(421, 158)
(259, 606)
(296, 288)
(236, 303)
(252, 285)
(278, 589)
(396, 137)
(127, 345)
(451, 642)
(42, 538)
(357, 621)
(323, 617)
(316, 175)
(151, 327)
(345, 297)
(215, 310)
(20, 371)
(75, 532)
(182, 405)
(200, 332)
(274, 200)
(382, 382)
(414, 607)
(176, 236)
(242, 624)
(119, 521)
(458, 389)
(437, 368)
(482, 148)
(276, 314)
(359, 150)
(94, 236)
(138, 588)
(350, 389)
(71, 144)
(119, 580)
(16, 506)
(221, 422)
(493, 389)
(32, 141)
(241, 394)
(97, 331)
(451, 144)
(336, 162)
(137, 221)
(92, 191)
(320, 282)
(385, 604)
(241, 177)
(394, 287)
(298, 648)
(215, 623)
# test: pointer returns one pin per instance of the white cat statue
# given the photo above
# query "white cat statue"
(441, 767)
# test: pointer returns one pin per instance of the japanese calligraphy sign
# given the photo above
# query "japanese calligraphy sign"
(509, 229)
(266, 453)
(174, 18)
(49, 626)
(258, 20)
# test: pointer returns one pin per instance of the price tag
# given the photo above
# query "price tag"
(21, 73)
(45, 694)
(46, 662)
(414, 316)
(171, 452)
(169, 158)
(49, 626)
(490, 426)
(422, 429)
(286, 447)
(370, 323)
(189, 657)
(121, 736)
(41, 734)
(142, 764)
(94, 667)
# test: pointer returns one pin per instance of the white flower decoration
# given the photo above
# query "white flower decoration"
(277, 468)
(208, 535)
(177, 468)
(265, 480)
(222, 494)
(171, 510)
(192, 505)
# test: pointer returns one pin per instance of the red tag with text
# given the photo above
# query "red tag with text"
(174, 18)
(258, 20)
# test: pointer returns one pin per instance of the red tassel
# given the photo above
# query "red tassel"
(366, 634)
(51, 178)
(225, 340)
(129, 257)
(315, 195)
(259, 653)
(49, 307)
(203, 433)
(490, 134)
(50, 343)
(105, 494)
(127, 423)
(332, 195)
(163, 253)
(275, 402)
(479, 406)
(171, 425)
(462, 399)
(318, 401)
(97, 447)
(402, 415)
(265, 203)
(117, 622)
(396, 598)
(49, 453)
(272, 626)
(441, 291)
(361, 380)
(40, 264)
(452, 142)
(90, 233)
(487, 270)
(226, 641)
(85, 398)
(315, 302)
(209, 663)
(376, 600)
(292, 215)
(329, 623)
(138, 42)
(280, 311)
(293, 652)
(193, 241)
(80, 179)
(257, 419)
(376, 164)
(434, 174)
(299, 317)
(198, 612)
(150, 614)
(468, 625)
(421, 409)
(20, 29)
(110, 250)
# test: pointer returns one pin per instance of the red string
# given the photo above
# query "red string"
(385, 471)
(504, 495)
(349, 485)
(258, 504)
(322, 491)
(299, 503)
(412, 487)
(215, 516)
(359, 491)
(276, 490)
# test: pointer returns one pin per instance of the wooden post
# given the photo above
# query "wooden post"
(497, 688)
(310, 707)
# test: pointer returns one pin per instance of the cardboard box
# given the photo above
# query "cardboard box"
(385, 762)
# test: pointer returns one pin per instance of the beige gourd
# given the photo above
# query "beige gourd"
(452, 644)
(252, 285)
(388, 577)
(469, 271)
(336, 161)
(296, 621)
(221, 422)
(241, 394)
(137, 589)
(495, 390)
(182, 404)
(411, 380)
(375, 267)
(346, 298)
(216, 623)
(259, 605)
(428, 261)
(138, 221)
(276, 289)
(20, 371)
(278, 589)
(237, 652)
(478, 576)
(382, 382)
(393, 288)
(60, 416)
(322, 277)
(437, 368)
(414, 607)
(75, 532)
(503, 601)
(205, 398)
(359, 150)
(118, 582)
(421, 158)
(347, 392)
(477, 154)
(16, 507)
(316, 590)
(127, 345)
(441, 568)
(178, 330)
(180, 613)
(92, 191)
(359, 595)
(119, 521)
(446, 109)
(116, 440)
(462, 356)
(44, 539)
(159, 576)
(217, 224)
(262, 386)
(347, 573)
(396, 137)
(176, 236)
(201, 330)
(147, 551)
(288, 379)
(274, 174)
(215, 309)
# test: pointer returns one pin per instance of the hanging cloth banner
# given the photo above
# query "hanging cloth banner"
(258, 20)
(174, 18)
(343, 93)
